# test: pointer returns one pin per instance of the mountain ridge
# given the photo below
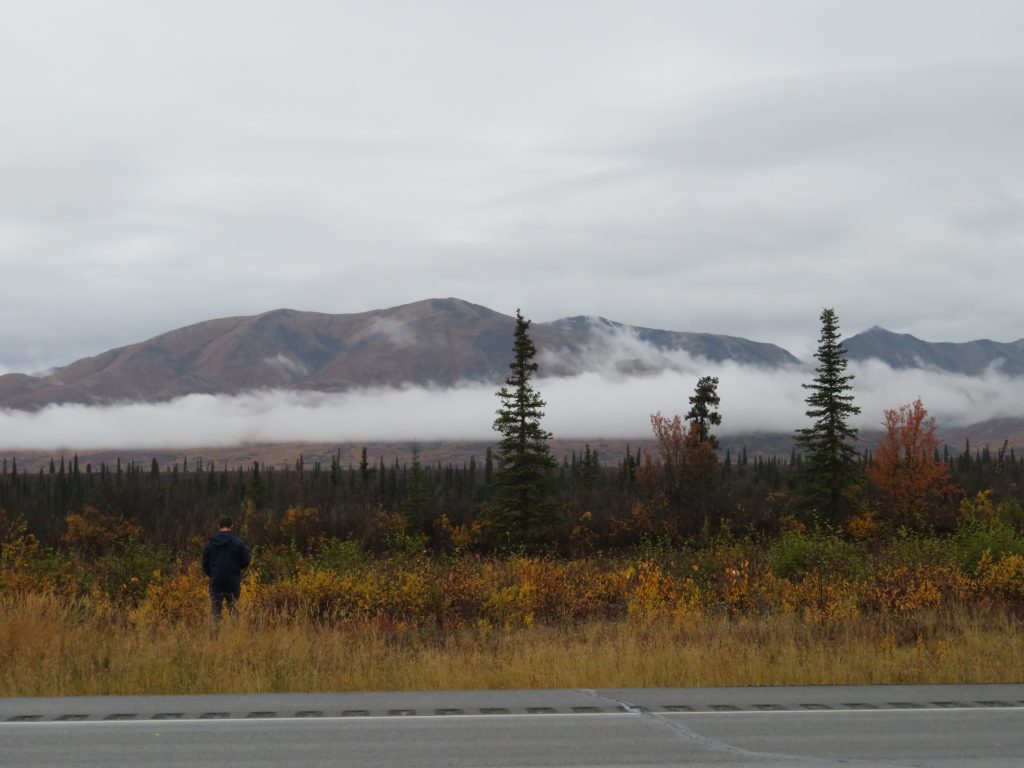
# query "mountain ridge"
(902, 350)
(438, 341)
(434, 341)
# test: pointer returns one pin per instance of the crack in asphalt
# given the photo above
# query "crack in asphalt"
(720, 746)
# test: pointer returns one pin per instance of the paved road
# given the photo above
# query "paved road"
(940, 726)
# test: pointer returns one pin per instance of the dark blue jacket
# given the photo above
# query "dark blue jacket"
(224, 557)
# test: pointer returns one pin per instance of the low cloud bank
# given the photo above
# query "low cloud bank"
(590, 405)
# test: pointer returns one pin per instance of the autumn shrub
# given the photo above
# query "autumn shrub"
(822, 600)
(917, 549)
(406, 592)
(819, 578)
(979, 508)
(312, 595)
(643, 521)
(300, 526)
(795, 554)
(864, 525)
(19, 550)
(278, 562)
(1011, 513)
(338, 555)
(544, 586)
(378, 529)
(651, 593)
(973, 539)
(982, 509)
(1004, 576)
(406, 544)
(451, 538)
(92, 533)
(178, 596)
(124, 574)
(523, 590)
(27, 566)
(906, 589)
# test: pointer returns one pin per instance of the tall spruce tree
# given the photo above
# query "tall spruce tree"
(416, 490)
(522, 513)
(703, 411)
(830, 476)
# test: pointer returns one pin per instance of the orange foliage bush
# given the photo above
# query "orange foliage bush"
(913, 480)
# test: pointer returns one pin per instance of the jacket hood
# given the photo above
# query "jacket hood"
(222, 539)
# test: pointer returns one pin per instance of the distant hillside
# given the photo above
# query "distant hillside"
(992, 433)
(437, 341)
(901, 350)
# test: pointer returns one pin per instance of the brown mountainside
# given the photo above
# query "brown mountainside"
(437, 341)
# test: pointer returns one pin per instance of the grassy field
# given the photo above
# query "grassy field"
(50, 646)
(807, 607)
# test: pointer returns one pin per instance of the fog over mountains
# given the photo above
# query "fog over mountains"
(428, 371)
(437, 342)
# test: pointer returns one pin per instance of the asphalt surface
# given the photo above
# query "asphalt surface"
(940, 726)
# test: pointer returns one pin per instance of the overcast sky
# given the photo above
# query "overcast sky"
(718, 166)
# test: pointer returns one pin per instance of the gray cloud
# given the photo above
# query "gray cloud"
(292, 369)
(398, 333)
(728, 167)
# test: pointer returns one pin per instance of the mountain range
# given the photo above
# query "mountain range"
(438, 342)
(901, 350)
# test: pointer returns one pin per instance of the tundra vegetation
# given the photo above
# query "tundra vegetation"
(674, 567)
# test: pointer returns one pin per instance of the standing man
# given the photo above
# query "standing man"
(224, 558)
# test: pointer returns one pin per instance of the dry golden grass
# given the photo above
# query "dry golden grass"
(55, 646)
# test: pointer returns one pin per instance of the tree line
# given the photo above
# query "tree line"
(521, 498)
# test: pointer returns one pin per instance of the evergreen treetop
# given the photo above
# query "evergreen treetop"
(522, 513)
(830, 474)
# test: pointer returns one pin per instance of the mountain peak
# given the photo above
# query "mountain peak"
(434, 342)
(902, 350)
(879, 331)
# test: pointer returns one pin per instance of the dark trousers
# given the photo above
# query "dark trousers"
(218, 600)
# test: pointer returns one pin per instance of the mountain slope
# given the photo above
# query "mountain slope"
(437, 341)
(901, 350)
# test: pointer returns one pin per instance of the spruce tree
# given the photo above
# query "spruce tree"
(703, 404)
(829, 477)
(416, 490)
(522, 514)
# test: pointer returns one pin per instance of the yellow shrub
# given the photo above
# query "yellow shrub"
(979, 509)
(652, 592)
(864, 526)
(299, 524)
(1005, 576)
(92, 533)
(909, 588)
(182, 597)
(821, 601)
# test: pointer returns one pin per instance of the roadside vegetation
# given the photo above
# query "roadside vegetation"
(678, 567)
(103, 613)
